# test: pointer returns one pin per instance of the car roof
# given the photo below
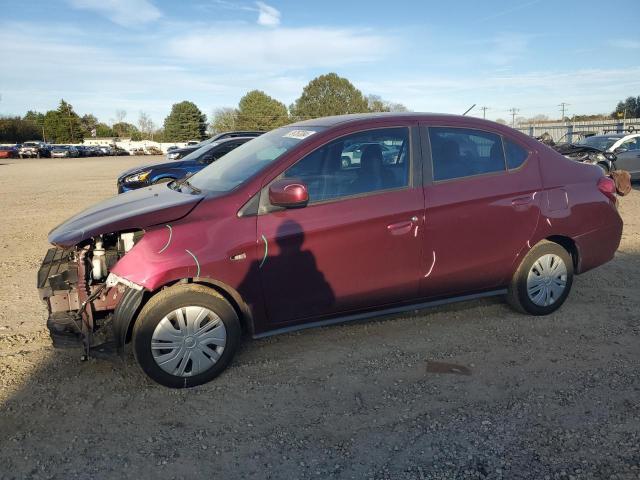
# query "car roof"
(231, 139)
(358, 117)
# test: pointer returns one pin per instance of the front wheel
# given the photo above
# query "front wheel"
(163, 180)
(543, 280)
(186, 335)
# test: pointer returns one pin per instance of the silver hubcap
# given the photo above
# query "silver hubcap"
(547, 280)
(188, 341)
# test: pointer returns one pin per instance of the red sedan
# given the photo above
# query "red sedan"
(288, 232)
(7, 152)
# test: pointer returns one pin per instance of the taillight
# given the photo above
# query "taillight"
(607, 186)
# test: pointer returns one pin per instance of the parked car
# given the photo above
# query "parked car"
(119, 152)
(178, 153)
(625, 147)
(352, 153)
(105, 150)
(64, 151)
(83, 151)
(95, 151)
(153, 150)
(547, 139)
(8, 151)
(277, 236)
(34, 149)
(146, 175)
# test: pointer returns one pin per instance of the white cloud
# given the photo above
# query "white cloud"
(625, 43)
(267, 16)
(251, 49)
(128, 13)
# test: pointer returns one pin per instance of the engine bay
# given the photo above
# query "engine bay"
(73, 283)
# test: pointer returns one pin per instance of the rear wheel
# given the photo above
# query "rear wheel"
(543, 281)
(186, 335)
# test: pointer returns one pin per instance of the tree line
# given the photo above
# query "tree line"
(64, 125)
(325, 95)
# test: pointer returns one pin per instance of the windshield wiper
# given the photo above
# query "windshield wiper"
(193, 189)
(185, 181)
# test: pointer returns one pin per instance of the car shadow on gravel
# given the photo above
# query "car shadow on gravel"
(553, 396)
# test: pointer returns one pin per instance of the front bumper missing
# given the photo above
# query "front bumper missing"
(80, 310)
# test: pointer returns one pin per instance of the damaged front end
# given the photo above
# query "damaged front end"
(85, 301)
(88, 304)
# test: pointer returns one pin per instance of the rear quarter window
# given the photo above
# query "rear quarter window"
(516, 155)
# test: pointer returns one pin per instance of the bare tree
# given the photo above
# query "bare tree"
(145, 124)
(224, 120)
(120, 116)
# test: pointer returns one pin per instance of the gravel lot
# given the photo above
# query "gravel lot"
(552, 397)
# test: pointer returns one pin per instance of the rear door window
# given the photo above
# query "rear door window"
(464, 152)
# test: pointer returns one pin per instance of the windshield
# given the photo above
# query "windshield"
(250, 158)
(196, 154)
(601, 142)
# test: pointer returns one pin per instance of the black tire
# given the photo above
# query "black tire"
(165, 302)
(604, 167)
(518, 296)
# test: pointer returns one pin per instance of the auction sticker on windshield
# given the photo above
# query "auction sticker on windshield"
(299, 134)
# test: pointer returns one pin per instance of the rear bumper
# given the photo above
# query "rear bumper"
(599, 246)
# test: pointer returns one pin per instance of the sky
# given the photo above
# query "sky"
(433, 56)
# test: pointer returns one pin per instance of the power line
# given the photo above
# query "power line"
(484, 111)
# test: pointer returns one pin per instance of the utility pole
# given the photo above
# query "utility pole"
(563, 106)
(70, 124)
(484, 111)
(513, 111)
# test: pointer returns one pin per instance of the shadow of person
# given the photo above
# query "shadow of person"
(292, 285)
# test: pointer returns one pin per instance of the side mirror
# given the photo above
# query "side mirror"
(288, 193)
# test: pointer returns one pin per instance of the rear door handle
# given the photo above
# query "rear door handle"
(521, 201)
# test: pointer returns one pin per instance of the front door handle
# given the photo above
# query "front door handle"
(400, 228)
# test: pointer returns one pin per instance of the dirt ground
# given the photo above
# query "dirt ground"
(552, 397)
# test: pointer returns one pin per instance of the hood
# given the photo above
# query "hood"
(156, 167)
(569, 148)
(132, 210)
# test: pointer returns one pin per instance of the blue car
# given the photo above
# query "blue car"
(146, 175)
